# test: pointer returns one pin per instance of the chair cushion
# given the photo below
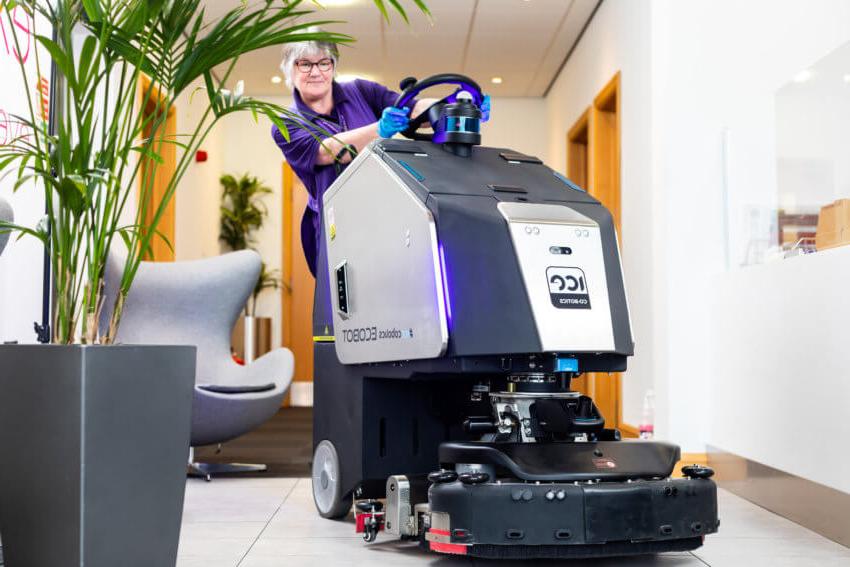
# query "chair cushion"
(246, 389)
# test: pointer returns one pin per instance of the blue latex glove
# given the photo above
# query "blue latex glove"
(485, 108)
(393, 120)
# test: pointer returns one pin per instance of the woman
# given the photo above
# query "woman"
(354, 113)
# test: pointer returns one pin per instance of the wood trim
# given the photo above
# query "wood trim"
(604, 141)
(286, 260)
(608, 97)
(629, 431)
(160, 251)
(603, 183)
(286, 266)
(578, 131)
(577, 150)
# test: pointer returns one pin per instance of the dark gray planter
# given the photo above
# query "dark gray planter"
(94, 443)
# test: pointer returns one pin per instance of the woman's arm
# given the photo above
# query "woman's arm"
(358, 138)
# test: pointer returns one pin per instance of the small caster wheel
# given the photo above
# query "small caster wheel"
(473, 477)
(327, 490)
(370, 534)
(439, 477)
(697, 471)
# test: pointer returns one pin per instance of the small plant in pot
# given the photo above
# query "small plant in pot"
(96, 434)
(243, 213)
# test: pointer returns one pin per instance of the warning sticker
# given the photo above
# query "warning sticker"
(568, 287)
(605, 463)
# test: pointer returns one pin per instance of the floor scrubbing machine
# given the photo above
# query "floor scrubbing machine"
(460, 289)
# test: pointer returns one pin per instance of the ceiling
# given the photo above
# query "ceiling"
(525, 42)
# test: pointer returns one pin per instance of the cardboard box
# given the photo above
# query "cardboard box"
(833, 225)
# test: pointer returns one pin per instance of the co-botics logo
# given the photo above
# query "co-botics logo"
(370, 334)
(568, 288)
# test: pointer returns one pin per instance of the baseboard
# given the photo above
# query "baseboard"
(301, 394)
(815, 506)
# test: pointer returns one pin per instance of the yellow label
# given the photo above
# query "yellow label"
(333, 231)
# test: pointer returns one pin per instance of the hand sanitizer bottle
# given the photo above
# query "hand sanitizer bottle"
(647, 429)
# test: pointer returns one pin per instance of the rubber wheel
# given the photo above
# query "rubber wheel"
(327, 491)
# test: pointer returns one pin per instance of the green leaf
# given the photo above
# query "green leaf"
(212, 92)
(281, 125)
(72, 193)
(383, 9)
(155, 7)
(136, 18)
(149, 153)
(400, 10)
(124, 233)
(59, 56)
(165, 239)
(93, 11)
(421, 5)
(86, 59)
(8, 227)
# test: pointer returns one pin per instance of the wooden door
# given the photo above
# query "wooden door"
(593, 162)
(154, 178)
(578, 170)
(299, 284)
(604, 184)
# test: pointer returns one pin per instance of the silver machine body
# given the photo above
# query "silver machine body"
(383, 261)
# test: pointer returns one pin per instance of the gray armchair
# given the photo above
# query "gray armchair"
(6, 215)
(197, 302)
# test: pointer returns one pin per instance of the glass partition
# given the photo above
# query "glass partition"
(812, 210)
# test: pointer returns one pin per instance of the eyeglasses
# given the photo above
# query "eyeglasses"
(307, 66)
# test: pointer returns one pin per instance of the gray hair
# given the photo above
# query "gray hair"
(292, 52)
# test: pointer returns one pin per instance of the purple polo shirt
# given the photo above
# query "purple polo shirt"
(355, 104)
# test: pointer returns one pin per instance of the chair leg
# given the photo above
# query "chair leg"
(208, 470)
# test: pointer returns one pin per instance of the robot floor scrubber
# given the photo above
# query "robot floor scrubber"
(460, 289)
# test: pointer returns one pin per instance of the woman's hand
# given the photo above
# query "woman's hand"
(393, 120)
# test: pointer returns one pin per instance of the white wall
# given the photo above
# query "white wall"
(518, 123)
(21, 262)
(198, 196)
(717, 67)
(618, 39)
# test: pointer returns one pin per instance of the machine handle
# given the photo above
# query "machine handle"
(464, 83)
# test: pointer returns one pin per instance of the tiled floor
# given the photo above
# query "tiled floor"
(272, 522)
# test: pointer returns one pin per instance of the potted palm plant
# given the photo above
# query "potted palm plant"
(243, 213)
(95, 435)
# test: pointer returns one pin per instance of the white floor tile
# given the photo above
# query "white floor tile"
(273, 523)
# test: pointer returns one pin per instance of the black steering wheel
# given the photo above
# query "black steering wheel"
(410, 87)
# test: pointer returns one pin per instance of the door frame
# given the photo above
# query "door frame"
(162, 245)
(593, 162)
